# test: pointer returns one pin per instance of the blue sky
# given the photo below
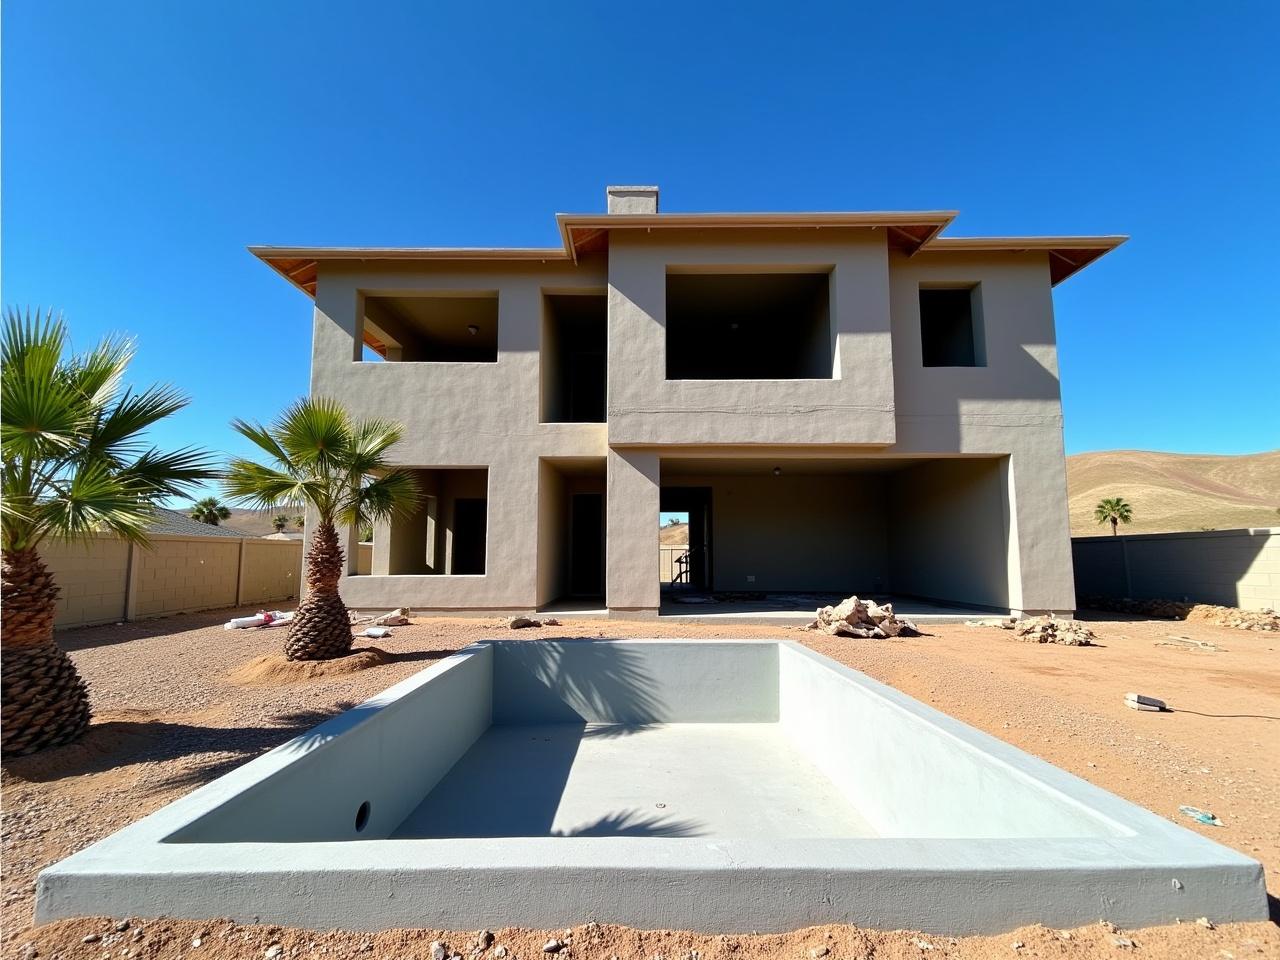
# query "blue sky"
(146, 143)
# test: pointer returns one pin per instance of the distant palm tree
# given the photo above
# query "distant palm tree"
(338, 467)
(75, 464)
(300, 521)
(1114, 510)
(209, 510)
(279, 523)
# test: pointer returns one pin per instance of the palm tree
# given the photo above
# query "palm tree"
(300, 521)
(1113, 509)
(209, 510)
(75, 464)
(338, 467)
(279, 523)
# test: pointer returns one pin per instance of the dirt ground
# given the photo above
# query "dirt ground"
(179, 701)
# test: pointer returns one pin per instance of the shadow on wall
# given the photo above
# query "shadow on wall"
(1213, 566)
(564, 680)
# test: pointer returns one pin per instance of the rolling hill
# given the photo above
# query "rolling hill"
(1173, 491)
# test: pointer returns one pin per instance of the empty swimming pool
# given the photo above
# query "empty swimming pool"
(708, 785)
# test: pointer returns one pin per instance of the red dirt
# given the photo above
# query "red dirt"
(169, 718)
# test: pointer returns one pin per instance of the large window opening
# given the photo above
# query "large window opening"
(951, 328)
(749, 326)
(457, 328)
(447, 535)
(799, 534)
(574, 358)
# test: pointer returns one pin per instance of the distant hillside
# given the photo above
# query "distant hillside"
(674, 533)
(254, 522)
(1173, 491)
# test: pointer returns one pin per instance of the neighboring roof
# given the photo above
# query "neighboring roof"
(178, 524)
(583, 233)
(283, 536)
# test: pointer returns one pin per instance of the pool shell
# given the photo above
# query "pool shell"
(711, 785)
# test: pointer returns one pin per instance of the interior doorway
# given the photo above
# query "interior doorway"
(695, 504)
(586, 545)
(469, 535)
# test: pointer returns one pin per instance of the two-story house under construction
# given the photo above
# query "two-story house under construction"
(840, 403)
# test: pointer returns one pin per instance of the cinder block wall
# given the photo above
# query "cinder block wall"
(1235, 568)
(108, 580)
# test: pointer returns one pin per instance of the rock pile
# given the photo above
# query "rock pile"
(1182, 610)
(862, 618)
(521, 623)
(1070, 633)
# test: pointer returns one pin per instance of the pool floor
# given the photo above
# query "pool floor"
(743, 780)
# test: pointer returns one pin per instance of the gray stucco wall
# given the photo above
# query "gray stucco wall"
(1235, 568)
(882, 402)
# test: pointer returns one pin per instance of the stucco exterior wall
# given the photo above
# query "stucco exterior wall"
(880, 401)
(856, 407)
(1235, 568)
(108, 580)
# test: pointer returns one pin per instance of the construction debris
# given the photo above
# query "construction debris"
(263, 618)
(1004, 623)
(519, 623)
(1186, 643)
(399, 617)
(1050, 629)
(1264, 619)
(865, 619)
(1136, 701)
(1199, 816)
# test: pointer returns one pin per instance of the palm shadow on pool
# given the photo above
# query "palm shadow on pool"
(526, 777)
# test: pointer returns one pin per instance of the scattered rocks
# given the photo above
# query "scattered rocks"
(499, 951)
(438, 950)
(817, 952)
(484, 940)
(553, 946)
(91, 938)
(1205, 922)
(864, 619)
(273, 951)
(122, 925)
(1050, 629)
(1122, 943)
(519, 623)
(1265, 619)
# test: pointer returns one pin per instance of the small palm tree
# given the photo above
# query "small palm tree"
(1114, 510)
(279, 523)
(338, 467)
(300, 521)
(209, 510)
(75, 464)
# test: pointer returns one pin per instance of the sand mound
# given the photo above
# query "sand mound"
(275, 669)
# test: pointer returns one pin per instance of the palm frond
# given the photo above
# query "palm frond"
(392, 494)
(266, 488)
(261, 437)
(95, 500)
(115, 434)
(315, 432)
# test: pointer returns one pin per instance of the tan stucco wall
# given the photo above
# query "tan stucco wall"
(881, 402)
(108, 580)
(91, 578)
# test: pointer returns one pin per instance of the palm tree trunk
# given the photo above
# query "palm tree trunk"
(321, 629)
(44, 701)
(1115, 526)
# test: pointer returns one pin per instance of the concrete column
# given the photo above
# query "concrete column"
(1040, 531)
(631, 538)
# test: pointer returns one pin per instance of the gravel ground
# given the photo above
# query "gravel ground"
(168, 717)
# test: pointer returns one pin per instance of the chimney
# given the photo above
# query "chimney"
(632, 199)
